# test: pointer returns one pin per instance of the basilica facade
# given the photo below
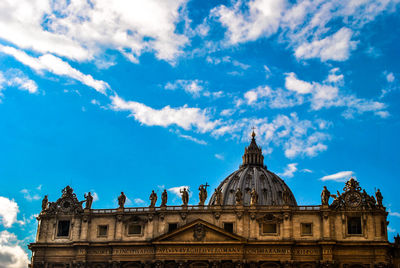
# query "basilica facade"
(252, 220)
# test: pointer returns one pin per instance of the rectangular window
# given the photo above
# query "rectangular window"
(306, 229)
(63, 228)
(354, 225)
(228, 226)
(172, 227)
(134, 229)
(102, 230)
(269, 228)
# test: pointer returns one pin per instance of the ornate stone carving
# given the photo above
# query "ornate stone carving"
(353, 198)
(66, 204)
(253, 197)
(379, 198)
(45, 203)
(89, 200)
(202, 194)
(153, 199)
(239, 197)
(185, 197)
(325, 195)
(164, 198)
(199, 232)
(121, 200)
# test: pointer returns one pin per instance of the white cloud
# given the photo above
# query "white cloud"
(327, 95)
(12, 254)
(227, 112)
(390, 77)
(261, 19)
(184, 117)
(131, 27)
(294, 84)
(219, 156)
(190, 138)
(341, 176)
(8, 212)
(95, 196)
(335, 47)
(296, 137)
(391, 230)
(16, 78)
(275, 99)
(29, 196)
(138, 201)
(289, 171)
(193, 87)
(394, 214)
(56, 66)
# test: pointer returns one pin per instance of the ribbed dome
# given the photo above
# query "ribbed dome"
(252, 174)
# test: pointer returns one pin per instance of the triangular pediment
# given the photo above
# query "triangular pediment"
(199, 231)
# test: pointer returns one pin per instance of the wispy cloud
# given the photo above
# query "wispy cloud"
(219, 156)
(193, 87)
(289, 171)
(55, 65)
(30, 196)
(138, 201)
(341, 176)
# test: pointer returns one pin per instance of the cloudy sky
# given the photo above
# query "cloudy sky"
(110, 96)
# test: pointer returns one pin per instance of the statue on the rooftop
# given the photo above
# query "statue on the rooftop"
(89, 200)
(45, 203)
(286, 197)
(153, 199)
(253, 197)
(121, 200)
(164, 198)
(379, 198)
(325, 195)
(202, 194)
(218, 196)
(239, 197)
(185, 197)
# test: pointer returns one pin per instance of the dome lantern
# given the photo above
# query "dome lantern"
(253, 154)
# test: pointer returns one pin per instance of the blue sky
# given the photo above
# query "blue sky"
(140, 95)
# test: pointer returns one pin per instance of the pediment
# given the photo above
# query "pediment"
(198, 231)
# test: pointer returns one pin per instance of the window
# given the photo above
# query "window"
(269, 228)
(306, 229)
(102, 230)
(134, 229)
(63, 228)
(228, 226)
(354, 225)
(172, 227)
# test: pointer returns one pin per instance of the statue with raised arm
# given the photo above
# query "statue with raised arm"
(325, 195)
(89, 201)
(153, 199)
(253, 197)
(45, 203)
(164, 198)
(202, 194)
(218, 196)
(185, 197)
(121, 200)
(239, 197)
(379, 198)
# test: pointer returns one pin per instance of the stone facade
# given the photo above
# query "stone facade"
(350, 232)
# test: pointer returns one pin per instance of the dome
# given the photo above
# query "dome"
(252, 174)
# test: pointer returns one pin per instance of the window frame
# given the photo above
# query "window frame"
(58, 226)
(228, 222)
(269, 234)
(134, 223)
(311, 228)
(361, 225)
(98, 230)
